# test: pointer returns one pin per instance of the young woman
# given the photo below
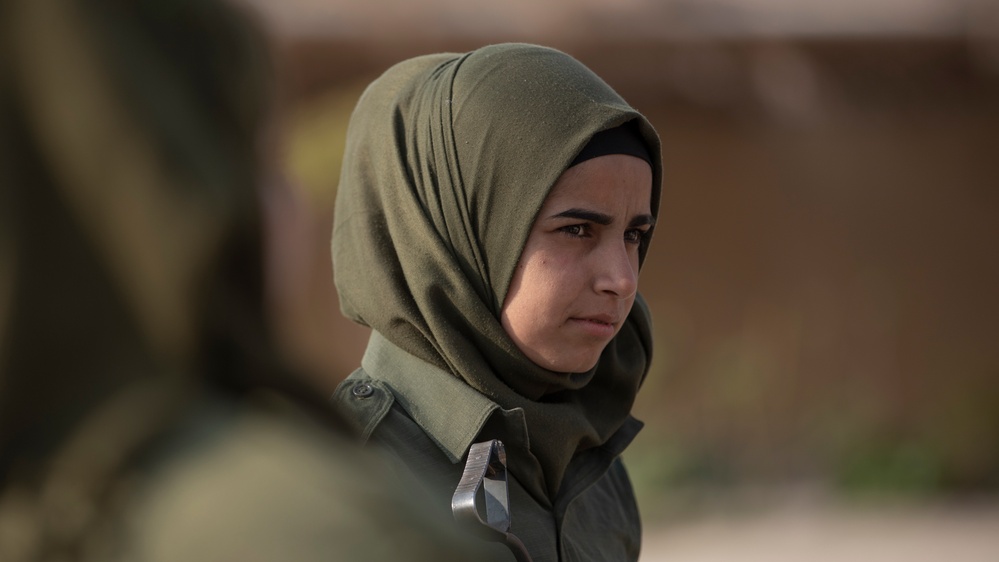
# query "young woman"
(491, 219)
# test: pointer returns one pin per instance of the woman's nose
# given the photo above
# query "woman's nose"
(617, 272)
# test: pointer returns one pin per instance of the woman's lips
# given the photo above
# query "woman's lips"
(603, 326)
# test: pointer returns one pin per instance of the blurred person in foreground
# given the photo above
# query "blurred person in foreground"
(144, 412)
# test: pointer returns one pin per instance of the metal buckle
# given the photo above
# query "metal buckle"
(485, 479)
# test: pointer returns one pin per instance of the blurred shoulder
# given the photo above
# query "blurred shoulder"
(271, 487)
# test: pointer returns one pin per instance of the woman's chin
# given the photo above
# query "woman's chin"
(569, 366)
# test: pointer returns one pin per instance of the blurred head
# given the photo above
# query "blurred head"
(129, 160)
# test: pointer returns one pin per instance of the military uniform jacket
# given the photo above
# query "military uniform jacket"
(426, 420)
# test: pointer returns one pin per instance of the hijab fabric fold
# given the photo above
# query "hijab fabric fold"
(449, 158)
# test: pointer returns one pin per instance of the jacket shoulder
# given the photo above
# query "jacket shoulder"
(363, 402)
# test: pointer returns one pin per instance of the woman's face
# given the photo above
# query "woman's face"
(578, 274)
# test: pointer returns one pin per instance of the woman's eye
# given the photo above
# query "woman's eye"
(574, 230)
(634, 236)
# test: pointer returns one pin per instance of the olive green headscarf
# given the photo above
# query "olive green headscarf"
(448, 161)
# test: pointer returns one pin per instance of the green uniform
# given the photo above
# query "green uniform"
(428, 419)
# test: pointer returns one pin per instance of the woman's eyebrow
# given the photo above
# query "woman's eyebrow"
(642, 220)
(583, 214)
(603, 218)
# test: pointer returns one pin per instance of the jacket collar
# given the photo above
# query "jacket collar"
(445, 407)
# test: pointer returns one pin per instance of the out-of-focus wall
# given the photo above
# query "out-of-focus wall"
(824, 277)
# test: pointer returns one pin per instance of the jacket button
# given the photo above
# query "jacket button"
(362, 390)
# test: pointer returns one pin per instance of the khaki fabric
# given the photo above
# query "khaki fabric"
(254, 482)
(190, 473)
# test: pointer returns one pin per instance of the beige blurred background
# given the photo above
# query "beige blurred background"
(824, 278)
